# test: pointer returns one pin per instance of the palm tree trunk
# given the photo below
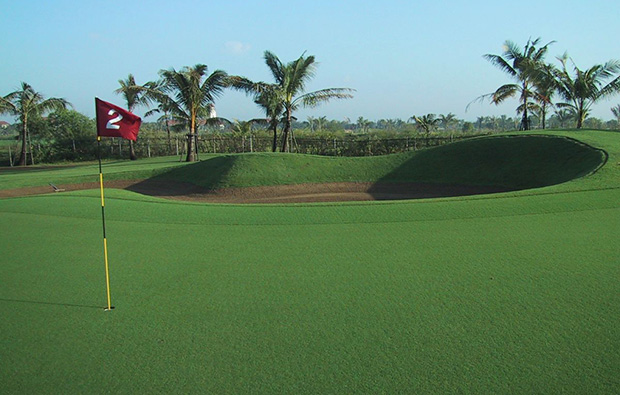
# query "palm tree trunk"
(190, 141)
(287, 130)
(22, 156)
(274, 146)
(524, 121)
(190, 148)
(580, 115)
(525, 125)
(132, 151)
(169, 140)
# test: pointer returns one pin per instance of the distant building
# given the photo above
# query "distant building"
(212, 113)
(4, 124)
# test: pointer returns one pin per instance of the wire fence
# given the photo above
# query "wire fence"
(116, 148)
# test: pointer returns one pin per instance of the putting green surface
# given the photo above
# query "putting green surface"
(514, 292)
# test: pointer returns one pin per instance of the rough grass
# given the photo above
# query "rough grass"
(514, 293)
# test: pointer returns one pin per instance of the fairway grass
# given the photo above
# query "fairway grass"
(509, 293)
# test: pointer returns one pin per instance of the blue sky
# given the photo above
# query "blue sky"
(402, 57)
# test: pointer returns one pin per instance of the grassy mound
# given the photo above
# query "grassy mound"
(514, 162)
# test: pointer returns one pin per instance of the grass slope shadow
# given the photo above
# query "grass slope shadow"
(490, 165)
(195, 178)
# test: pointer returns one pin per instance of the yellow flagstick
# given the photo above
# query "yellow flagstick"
(105, 242)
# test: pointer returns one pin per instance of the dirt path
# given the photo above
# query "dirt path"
(330, 192)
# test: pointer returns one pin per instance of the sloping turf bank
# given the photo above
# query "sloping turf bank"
(509, 162)
(512, 162)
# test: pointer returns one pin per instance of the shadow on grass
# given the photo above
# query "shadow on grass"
(50, 303)
(195, 178)
(489, 165)
(469, 167)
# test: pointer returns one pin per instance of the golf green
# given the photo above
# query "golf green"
(514, 292)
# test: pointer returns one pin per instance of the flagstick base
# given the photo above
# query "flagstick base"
(108, 308)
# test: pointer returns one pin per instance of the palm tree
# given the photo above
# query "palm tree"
(268, 97)
(426, 123)
(191, 94)
(446, 121)
(565, 115)
(616, 111)
(134, 95)
(311, 121)
(25, 104)
(321, 122)
(544, 88)
(586, 87)
(522, 66)
(363, 124)
(291, 79)
(164, 108)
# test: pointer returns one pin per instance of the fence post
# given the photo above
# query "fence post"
(148, 147)
(10, 156)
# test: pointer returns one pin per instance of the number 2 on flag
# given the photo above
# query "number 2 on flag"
(112, 122)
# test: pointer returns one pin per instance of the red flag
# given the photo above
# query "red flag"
(113, 121)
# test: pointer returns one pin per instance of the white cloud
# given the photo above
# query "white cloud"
(236, 47)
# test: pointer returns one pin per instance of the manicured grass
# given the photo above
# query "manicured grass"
(85, 172)
(513, 292)
(515, 162)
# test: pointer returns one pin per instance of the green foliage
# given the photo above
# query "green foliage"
(188, 95)
(27, 104)
(582, 88)
(288, 92)
(523, 66)
(426, 123)
(616, 111)
(468, 127)
(69, 132)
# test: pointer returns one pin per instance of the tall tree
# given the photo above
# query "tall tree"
(363, 124)
(154, 92)
(268, 98)
(291, 80)
(446, 121)
(522, 65)
(544, 88)
(134, 95)
(426, 123)
(616, 111)
(582, 88)
(565, 115)
(192, 95)
(25, 104)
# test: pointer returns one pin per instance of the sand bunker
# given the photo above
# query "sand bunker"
(303, 193)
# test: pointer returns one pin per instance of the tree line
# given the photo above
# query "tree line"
(536, 82)
(185, 100)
